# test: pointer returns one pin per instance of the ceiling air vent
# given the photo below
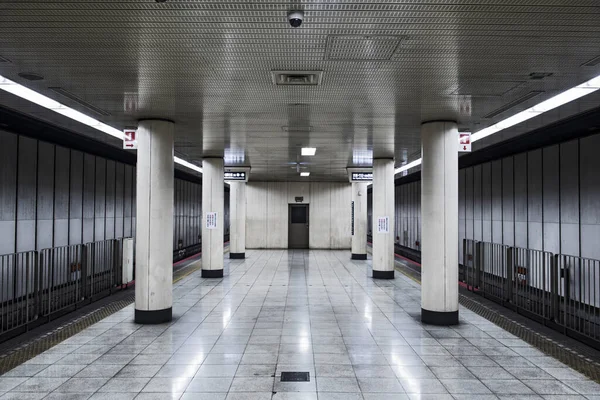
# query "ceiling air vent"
(297, 78)
(78, 100)
(30, 76)
(514, 103)
(4, 60)
(539, 75)
(591, 63)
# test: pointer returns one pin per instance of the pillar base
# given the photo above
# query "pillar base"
(237, 256)
(383, 274)
(358, 256)
(212, 273)
(153, 316)
(439, 317)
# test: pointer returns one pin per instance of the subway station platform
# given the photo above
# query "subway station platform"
(294, 311)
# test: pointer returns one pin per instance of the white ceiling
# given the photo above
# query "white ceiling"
(387, 66)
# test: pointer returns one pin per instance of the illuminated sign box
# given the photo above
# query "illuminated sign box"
(235, 176)
(362, 176)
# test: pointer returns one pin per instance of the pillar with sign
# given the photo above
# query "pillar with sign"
(237, 217)
(360, 179)
(154, 222)
(383, 218)
(439, 221)
(212, 217)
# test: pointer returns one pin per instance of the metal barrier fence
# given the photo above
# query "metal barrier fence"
(39, 286)
(560, 291)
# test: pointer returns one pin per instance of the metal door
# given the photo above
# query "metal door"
(298, 226)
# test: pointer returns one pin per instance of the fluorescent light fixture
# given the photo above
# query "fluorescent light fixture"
(304, 173)
(560, 99)
(556, 101)
(309, 151)
(186, 164)
(43, 101)
(410, 165)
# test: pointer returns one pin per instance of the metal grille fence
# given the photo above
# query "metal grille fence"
(561, 291)
(38, 286)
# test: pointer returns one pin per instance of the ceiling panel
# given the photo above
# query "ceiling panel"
(387, 66)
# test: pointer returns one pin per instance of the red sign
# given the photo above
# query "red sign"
(464, 142)
(129, 139)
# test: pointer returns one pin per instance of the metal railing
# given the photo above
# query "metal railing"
(36, 287)
(560, 291)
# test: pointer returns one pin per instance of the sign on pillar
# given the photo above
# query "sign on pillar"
(383, 225)
(130, 139)
(211, 220)
(464, 141)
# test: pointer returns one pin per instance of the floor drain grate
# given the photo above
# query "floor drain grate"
(295, 377)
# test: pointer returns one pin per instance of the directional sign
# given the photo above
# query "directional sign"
(464, 142)
(129, 139)
(362, 176)
(235, 176)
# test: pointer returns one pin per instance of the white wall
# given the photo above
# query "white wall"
(329, 213)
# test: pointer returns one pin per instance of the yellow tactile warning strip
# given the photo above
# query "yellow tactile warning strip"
(30, 349)
(569, 356)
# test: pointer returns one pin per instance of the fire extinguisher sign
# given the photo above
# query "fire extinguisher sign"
(464, 141)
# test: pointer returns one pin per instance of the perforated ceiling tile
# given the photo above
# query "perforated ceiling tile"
(387, 66)
(361, 47)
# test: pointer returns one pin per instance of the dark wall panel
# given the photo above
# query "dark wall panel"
(27, 194)
(8, 191)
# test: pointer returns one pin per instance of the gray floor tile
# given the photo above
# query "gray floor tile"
(333, 370)
(249, 396)
(24, 370)
(506, 386)
(60, 371)
(36, 384)
(209, 385)
(452, 373)
(99, 371)
(544, 387)
(325, 384)
(252, 384)
(8, 383)
(380, 385)
(465, 386)
(129, 384)
(423, 386)
(167, 385)
(82, 385)
(255, 370)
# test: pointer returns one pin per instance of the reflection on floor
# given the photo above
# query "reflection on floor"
(294, 311)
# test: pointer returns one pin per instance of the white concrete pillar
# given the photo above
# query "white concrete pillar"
(383, 218)
(439, 219)
(237, 218)
(359, 230)
(154, 222)
(212, 217)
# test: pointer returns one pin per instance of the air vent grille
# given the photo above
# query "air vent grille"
(297, 78)
(591, 63)
(539, 75)
(514, 103)
(4, 60)
(79, 100)
(30, 76)
(361, 47)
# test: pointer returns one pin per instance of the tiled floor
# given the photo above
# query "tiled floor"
(295, 311)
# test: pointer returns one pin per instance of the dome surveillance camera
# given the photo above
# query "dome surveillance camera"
(295, 18)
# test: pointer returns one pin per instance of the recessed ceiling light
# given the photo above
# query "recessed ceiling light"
(309, 151)
(304, 173)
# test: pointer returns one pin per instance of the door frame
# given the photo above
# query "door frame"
(307, 208)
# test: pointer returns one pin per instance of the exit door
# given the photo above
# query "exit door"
(298, 226)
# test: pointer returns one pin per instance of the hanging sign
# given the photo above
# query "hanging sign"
(130, 139)
(383, 225)
(464, 141)
(235, 176)
(211, 220)
(362, 176)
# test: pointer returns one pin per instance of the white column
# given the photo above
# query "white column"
(154, 222)
(237, 218)
(439, 216)
(212, 224)
(359, 235)
(383, 218)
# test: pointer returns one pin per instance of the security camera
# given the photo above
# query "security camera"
(295, 18)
